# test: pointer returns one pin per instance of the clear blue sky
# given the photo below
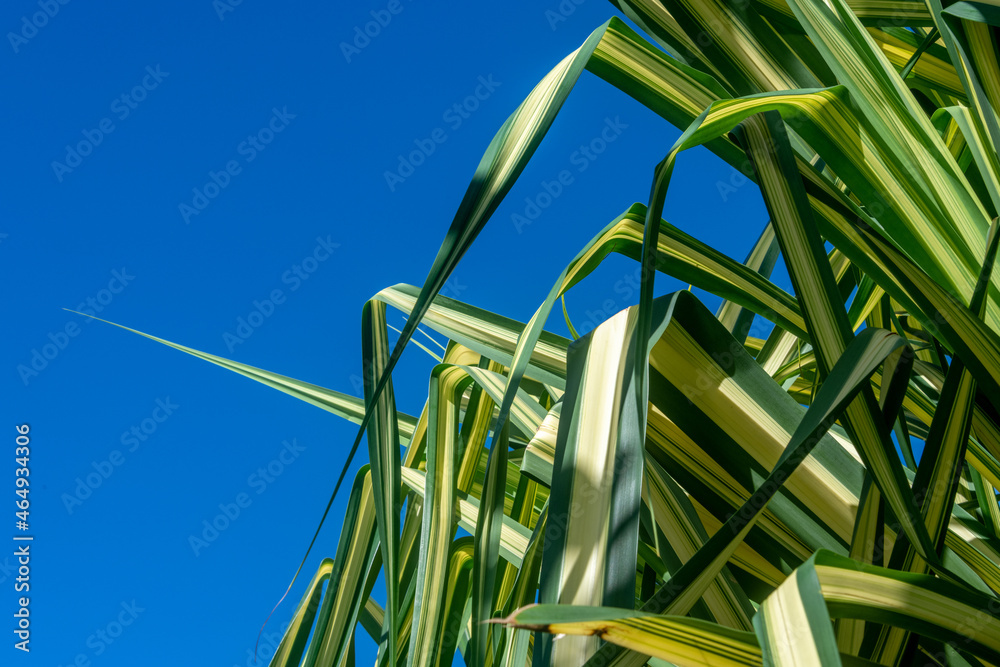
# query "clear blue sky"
(164, 95)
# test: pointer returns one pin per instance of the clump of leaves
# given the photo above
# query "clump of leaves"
(668, 487)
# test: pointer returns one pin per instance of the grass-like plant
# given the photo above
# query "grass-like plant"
(669, 489)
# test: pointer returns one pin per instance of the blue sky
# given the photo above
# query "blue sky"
(174, 167)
